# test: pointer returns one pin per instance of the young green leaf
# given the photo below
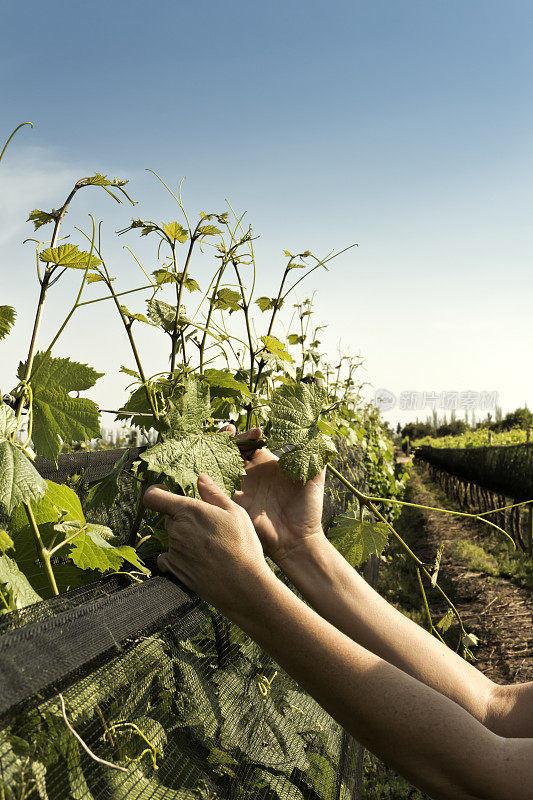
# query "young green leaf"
(228, 298)
(56, 415)
(208, 230)
(175, 232)
(6, 542)
(164, 315)
(7, 320)
(91, 551)
(295, 412)
(185, 450)
(277, 348)
(40, 218)
(19, 590)
(19, 480)
(136, 408)
(265, 303)
(68, 255)
(223, 384)
(130, 315)
(357, 540)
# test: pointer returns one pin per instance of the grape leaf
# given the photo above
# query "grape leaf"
(68, 255)
(184, 458)
(6, 542)
(40, 218)
(55, 414)
(59, 502)
(208, 230)
(277, 348)
(135, 408)
(91, 551)
(136, 786)
(175, 232)
(185, 450)
(19, 480)
(102, 180)
(131, 315)
(7, 320)
(223, 384)
(357, 540)
(164, 315)
(228, 298)
(295, 412)
(265, 303)
(20, 592)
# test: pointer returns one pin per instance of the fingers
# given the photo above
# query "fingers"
(229, 428)
(211, 493)
(158, 498)
(253, 433)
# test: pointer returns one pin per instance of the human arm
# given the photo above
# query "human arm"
(428, 738)
(287, 517)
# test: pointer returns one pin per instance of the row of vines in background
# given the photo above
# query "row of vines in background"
(481, 437)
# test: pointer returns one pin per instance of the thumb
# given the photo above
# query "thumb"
(211, 493)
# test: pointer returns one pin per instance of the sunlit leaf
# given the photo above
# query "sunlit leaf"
(208, 230)
(295, 412)
(56, 415)
(223, 384)
(7, 320)
(277, 348)
(265, 303)
(68, 255)
(357, 540)
(131, 315)
(228, 298)
(175, 232)
(13, 582)
(19, 480)
(40, 218)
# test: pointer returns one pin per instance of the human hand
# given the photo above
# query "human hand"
(286, 515)
(213, 547)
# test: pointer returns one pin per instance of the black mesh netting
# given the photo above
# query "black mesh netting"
(505, 469)
(125, 689)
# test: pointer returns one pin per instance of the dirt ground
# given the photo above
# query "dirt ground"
(493, 608)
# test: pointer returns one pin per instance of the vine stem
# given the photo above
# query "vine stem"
(83, 744)
(42, 551)
(366, 501)
(478, 517)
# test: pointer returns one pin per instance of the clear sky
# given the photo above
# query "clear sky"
(402, 125)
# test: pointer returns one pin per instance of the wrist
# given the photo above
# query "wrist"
(306, 550)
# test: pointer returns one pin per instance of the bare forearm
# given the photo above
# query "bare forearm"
(432, 741)
(340, 595)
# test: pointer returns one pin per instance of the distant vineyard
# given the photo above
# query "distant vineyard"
(482, 437)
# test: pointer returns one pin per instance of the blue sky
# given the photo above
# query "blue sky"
(403, 126)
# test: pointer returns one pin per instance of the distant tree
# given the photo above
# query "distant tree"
(417, 430)
(453, 428)
(519, 418)
(398, 428)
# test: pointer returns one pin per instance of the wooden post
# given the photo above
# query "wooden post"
(529, 534)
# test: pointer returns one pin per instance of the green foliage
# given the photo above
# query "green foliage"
(68, 255)
(187, 449)
(175, 232)
(15, 585)
(295, 414)
(40, 218)
(56, 415)
(105, 491)
(7, 320)
(19, 480)
(357, 540)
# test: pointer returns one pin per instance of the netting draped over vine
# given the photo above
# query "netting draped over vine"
(120, 690)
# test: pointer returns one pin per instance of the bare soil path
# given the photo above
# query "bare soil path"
(493, 608)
